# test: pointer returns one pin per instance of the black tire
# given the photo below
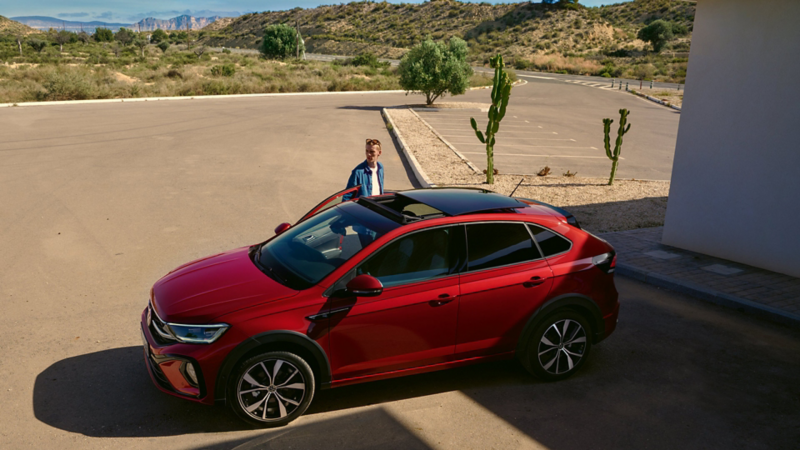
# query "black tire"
(271, 389)
(549, 355)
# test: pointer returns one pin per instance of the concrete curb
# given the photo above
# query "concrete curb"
(449, 145)
(422, 178)
(653, 99)
(709, 295)
(197, 97)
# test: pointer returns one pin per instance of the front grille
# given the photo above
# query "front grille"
(158, 329)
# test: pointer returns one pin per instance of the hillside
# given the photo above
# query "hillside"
(45, 23)
(521, 31)
(10, 27)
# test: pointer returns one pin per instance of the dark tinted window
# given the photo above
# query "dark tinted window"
(499, 244)
(416, 257)
(550, 242)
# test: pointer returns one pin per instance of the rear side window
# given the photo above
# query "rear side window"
(550, 243)
(499, 244)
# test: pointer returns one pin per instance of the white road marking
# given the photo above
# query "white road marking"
(508, 137)
(528, 146)
(532, 76)
(538, 156)
(527, 121)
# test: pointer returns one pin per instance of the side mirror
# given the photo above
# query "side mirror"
(365, 286)
(282, 227)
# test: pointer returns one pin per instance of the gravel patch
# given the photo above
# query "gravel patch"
(626, 205)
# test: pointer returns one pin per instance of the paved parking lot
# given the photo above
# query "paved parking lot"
(99, 201)
(554, 124)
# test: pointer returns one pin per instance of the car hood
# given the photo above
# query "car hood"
(202, 290)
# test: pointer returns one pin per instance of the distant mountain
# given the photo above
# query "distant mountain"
(176, 23)
(45, 23)
(8, 26)
(148, 24)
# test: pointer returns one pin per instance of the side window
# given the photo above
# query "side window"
(550, 243)
(416, 257)
(499, 244)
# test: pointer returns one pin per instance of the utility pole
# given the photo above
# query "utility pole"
(297, 38)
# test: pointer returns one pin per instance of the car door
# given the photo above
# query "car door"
(506, 279)
(412, 322)
(329, 202)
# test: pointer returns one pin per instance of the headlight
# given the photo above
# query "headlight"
(187, 334)
(197, 334)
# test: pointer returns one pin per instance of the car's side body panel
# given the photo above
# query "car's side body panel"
(406, 326)
(495, 304)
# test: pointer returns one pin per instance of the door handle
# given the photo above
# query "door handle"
(442, 300)
(534, 281)
(328, 314)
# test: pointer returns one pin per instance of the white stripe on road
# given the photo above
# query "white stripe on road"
(539, 156)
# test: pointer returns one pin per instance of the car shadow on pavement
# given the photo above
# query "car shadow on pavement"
(366, 429)
(110, 394)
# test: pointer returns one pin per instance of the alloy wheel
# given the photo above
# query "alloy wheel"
(562, 347)
(270, 390)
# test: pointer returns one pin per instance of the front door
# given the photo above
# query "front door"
(505, 281)
(413, 322)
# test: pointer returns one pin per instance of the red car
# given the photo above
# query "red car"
(381, 287)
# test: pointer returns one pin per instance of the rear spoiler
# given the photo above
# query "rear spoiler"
(567, 215)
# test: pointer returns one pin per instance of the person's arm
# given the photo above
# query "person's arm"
(350, 184)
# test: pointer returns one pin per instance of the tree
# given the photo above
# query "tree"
(103, 35)
(280, 42)
(141, 42)
(62, 37)
(658, 33)
(158, 36)
(83, 37)
(163, 45)
(37, 44)
(434, 68)
(124, 36)
(20, 38)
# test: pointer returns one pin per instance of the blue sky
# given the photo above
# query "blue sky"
(133, 11)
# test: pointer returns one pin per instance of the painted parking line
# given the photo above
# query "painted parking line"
(469, 128)
(525, 155)
(505, 138)
(533, 146)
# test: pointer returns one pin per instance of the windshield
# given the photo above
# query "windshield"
(302, 256)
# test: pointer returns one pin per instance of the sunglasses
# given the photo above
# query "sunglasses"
(373, 142)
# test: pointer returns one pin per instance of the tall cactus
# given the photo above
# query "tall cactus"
(501, 91)
(618, 148)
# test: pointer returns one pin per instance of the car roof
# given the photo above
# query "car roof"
(460, 201)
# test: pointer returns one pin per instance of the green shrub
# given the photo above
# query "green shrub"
(280, 42)
(163, 45)
(66, 85)
(225, 70)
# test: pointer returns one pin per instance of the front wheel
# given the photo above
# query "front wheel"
(272, 389)
(558, 346)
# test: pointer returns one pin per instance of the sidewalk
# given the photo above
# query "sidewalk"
(748, 289)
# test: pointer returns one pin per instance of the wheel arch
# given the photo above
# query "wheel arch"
(577, 302)
(290, 341)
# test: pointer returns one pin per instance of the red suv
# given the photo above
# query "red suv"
(380, 287)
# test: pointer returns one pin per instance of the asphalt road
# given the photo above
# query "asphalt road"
(100, 200)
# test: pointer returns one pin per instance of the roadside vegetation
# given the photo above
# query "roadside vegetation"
(560, 37)
(77, 66)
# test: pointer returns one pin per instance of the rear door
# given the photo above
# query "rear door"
(329, 202)
(505, 281)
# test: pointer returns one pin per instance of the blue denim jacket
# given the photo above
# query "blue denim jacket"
(362, 175)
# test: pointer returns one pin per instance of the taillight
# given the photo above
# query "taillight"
(606, 262)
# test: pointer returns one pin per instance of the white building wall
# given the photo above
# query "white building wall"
(735, 189)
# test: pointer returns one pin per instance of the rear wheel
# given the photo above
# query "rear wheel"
(558, 346)
(272, 389)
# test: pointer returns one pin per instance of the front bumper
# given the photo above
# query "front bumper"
(167, 365)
